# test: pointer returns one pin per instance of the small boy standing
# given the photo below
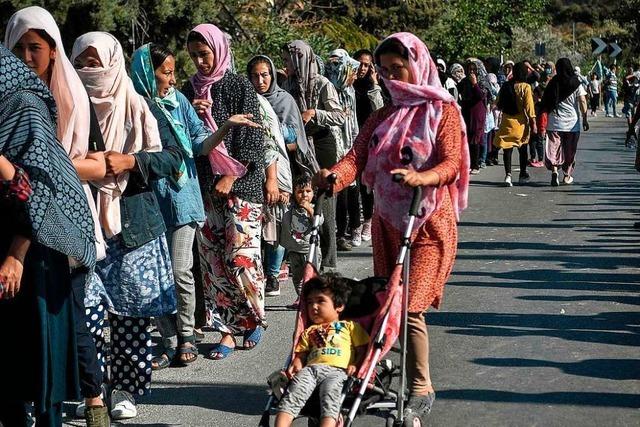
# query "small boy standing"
(295, 234)
(328, 352)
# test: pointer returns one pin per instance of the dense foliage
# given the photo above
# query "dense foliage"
(453, 29)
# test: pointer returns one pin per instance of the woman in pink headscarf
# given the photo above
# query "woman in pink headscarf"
(232, 183)
(421, 136)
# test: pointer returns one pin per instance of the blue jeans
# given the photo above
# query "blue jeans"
(610, 101)
(273, 257)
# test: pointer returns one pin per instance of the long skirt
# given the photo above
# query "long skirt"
(433, 253)
(231, 264)
(561, 151)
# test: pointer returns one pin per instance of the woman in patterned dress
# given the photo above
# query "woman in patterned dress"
(35, 301)
(421, 136)
(231, 180)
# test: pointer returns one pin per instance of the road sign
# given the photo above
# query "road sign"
(615, 50)
(598, 46)
(541, 49)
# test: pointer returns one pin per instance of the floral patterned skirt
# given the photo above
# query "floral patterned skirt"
(231, 264)
(138, 282)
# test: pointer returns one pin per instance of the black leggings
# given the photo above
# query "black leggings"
(522, 151)
(348, 205)
(367, 202)
(595, 102)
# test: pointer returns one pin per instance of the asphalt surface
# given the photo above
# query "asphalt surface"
(540, 324)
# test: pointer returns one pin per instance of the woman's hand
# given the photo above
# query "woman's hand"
(412, 178)
(118, 163)
(308, 115)
(201, 105)
(473, 79)
(321, 178)
(11, 276)
(240, 120)
(272, 191)
(224, 185)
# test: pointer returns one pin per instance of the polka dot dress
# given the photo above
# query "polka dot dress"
(95, 323)
(131, 354)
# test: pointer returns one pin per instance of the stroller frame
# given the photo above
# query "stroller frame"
(395, 402)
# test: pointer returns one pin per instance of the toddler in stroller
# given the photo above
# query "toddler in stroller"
(327, 353)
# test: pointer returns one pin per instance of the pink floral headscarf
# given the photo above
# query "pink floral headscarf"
(407, 139)
(221, 162)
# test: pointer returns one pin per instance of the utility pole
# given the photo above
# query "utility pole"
(574, 38)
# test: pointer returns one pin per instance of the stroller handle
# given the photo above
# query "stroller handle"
(417, 194)
(323, 193)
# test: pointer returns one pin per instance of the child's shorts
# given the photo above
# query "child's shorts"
(329, 381)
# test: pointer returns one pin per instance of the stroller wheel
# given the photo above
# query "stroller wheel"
(412, 421)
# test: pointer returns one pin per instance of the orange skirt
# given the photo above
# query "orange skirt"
(433, 253)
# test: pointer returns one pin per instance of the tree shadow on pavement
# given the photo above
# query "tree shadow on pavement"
(617, 400)
(218, 397)
(611, 369)
(616, 328)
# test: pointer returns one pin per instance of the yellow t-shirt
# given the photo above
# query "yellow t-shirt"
(332, 344)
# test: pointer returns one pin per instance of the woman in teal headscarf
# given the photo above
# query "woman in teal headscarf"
(180, 199)
(35, 309)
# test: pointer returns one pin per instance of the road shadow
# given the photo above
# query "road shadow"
(616, 328)
(610, 369)
(597, 399)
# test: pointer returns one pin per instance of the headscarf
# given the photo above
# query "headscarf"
(305, 70)
(57, 211)
(411, 131)
(483, 79)
(561, 86)
(127, 124)
(289, 115)
(440, 61)
(341, 68)
(72, 101)
(144, 81)
(65, 85)
(221, 162)
(457, 72)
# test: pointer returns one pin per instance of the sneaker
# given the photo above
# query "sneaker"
(272, 287)
(366, 231)
(344, 245)
(507, 181)
(567, 180)
(475, 171)
(608, 115)
(284, 273)
(356, 237)
(524, 178)
(618, 116)
(483, 165)
(97, 416)
(538, 164)
(123, 406)
(495, 162)
(554, 179)
(80, 410)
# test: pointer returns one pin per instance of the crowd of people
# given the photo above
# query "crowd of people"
(133, 203)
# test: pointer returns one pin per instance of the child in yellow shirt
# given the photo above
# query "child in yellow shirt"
(328, 352)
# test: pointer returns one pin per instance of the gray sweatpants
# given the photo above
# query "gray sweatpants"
(330, 381)
(180, 240)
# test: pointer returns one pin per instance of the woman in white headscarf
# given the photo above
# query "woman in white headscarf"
(136, 273)
(26, 29)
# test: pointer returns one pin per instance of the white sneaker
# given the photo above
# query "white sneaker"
(507, 181)
(123, 406)
(568, 180)
(80, 410)
(475, 171)
(356, 237)
(366, 231)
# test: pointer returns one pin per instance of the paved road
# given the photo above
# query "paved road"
(540, 323)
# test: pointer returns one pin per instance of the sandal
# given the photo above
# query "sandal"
(221, 350)
(252, 336)
(164, 360)
(187, 348)
(421, 405)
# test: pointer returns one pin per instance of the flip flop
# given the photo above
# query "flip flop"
(221, 349)
(192, 349)
(252, 335)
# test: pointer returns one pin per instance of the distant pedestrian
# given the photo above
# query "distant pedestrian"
(518, 121)
(594, 94)
(564, 101)
(474, 94)
(611, 92)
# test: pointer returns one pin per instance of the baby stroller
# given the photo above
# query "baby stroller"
(380, 306)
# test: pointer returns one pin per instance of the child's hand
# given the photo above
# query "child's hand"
(351, 370)
(294, 368)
